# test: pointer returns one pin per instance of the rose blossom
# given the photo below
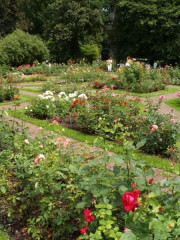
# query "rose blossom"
(151, 181)
(172, 114)
(178, 94)
(162, 97)
(112, 87)
(83, 230)
(154, 128)
(113, 95)
(145, 110)
(40, 157)
(162, 124)
(87, 215)
(172, 120)
(127, 229)
(41, 146)
(133, 185)
(26, 141)
(129, 200)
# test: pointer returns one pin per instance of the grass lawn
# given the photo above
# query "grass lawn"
(152, 160)
(34, 90)
(22, 98)
(152, 94)
(3, 236)
(174, 103)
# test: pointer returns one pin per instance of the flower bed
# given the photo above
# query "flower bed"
(52, 192)
(111, 117)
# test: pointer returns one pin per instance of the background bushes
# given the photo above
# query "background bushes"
(22, 48)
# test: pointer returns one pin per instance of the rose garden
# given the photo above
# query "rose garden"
(56, 185)
(89, 120)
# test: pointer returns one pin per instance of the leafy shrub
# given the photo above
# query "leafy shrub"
(90, 52)
(7, 92)
(137, 79)
(22, 48)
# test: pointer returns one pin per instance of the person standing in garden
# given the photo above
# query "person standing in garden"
(128, 62)
(109, 64)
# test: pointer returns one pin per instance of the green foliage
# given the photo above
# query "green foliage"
(136, 29)
(7, 92)
(90, 52)
(46, 186)
(139, 80)
(21, 48)
(68, 23)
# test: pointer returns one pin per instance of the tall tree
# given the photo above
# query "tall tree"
(8, 16)
(67, 23)
(147, 28)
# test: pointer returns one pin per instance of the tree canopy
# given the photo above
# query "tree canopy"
(145, 28)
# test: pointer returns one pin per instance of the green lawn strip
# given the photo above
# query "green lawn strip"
(3, 235)
(22, 98)
(152, 94)
(154, 161)
(31, 85)
(174, 103)
(34, 90)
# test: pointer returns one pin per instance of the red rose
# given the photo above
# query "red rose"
(133, 185)
(151, 181)
(83, 230)
(57, 119)
(93, 200)
(87, 215)
(74, 115)
(129, 200)
(76, 101)
(115, 118)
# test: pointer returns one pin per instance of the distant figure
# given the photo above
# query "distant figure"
(128, 62)
(109, 64)
(48, 63)
(155, 65)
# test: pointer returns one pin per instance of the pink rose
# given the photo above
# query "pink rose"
(127, 229)
(145, 110)
(162, 97)
(172, 120)
(112, 87)
(162, 124)
(40, 157)
(154, 128)
(178, 94)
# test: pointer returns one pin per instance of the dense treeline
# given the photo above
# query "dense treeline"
(145, 28)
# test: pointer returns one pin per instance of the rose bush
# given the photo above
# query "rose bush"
(65, 194)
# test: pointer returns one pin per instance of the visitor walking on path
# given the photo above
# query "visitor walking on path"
(109, 64)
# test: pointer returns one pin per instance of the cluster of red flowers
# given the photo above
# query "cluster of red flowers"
(88, 217)
(74, 103)
(26, 66)
(114, 78)
(98, 84)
